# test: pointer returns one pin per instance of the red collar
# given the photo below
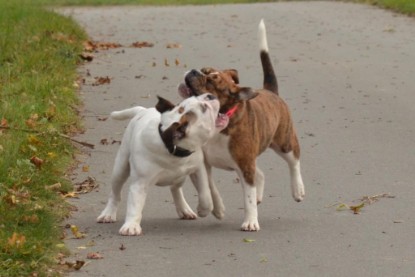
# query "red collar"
(231, 111)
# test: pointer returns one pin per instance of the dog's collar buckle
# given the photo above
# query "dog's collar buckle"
(173, 149)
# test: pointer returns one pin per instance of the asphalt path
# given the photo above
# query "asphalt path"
(347, 72)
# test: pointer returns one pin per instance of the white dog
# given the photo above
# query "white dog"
(161, 146)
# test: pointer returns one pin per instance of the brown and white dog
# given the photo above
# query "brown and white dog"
(258, 119)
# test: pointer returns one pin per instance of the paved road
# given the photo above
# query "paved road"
(348, 74)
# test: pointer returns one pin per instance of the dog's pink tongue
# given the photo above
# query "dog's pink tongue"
(222, 121)
(184, 91)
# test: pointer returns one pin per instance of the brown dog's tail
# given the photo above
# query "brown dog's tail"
(270, 79)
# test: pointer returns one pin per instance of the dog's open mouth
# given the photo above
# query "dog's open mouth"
(185, 91)
(222, 121)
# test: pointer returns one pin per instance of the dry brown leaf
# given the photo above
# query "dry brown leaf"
(141, 44)
(177, 62)
(16, 240)
(101, 81)
(36, 161)
(173, 45)
(86, 186)
(94, 256)
(86, 57)
(166, 62)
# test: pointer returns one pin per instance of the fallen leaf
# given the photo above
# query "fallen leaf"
(85, 168)
(16, 240)
(4, 123)
(86, 57)
(32, 139)
(52, 155)
(104, 141)
(30, 218)
(263, 260)
(141, 44)
(173, 45)
(90, 46)
(36, 161)
(177, 62)
(71, 194)
(51, 112)
(166, 62)
(76, 265)
(94, 256)
(102, 118)
(101, 81)
(248, 240)
(86, 186)
(77, 234)
(55, 186)
(122, 247)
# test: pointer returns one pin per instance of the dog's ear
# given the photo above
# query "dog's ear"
(246, 93)
(207, 70)
(164, 105)
(233, 73)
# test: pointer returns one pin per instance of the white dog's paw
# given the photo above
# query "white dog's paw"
(106, 218)
(203, 211)
(219, 211)
(131, 229)
(251, 225)
(187, 214)
(299, 193)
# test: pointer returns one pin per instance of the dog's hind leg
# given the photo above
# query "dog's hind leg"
(259, 184)
(120, 173)
(183, 209)
(201, 183)
(218, 206)
(297, 186)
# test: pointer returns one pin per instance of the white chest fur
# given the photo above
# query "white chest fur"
(217, 153)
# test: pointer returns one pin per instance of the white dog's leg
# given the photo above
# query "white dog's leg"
(250, 204)
(120, 174)
(297, 186)
(259, 184)
(200, 181)
(135, 204)
(218, 206)
(183, 209)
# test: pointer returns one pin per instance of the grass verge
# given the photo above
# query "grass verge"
(38, 58)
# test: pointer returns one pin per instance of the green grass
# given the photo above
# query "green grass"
(38, 58)
(402, 6)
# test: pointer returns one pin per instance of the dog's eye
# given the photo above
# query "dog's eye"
(214, 76)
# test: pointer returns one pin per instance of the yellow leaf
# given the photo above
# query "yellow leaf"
(16, 240)
(248, 240)
(71, 194)
(76, 232)
(52, 155)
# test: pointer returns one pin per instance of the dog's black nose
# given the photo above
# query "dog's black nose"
(211, 97)
(193, 72)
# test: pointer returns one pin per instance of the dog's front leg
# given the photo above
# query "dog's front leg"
(183, 209)
(200, 181)
(250, 204)
(135, 204)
